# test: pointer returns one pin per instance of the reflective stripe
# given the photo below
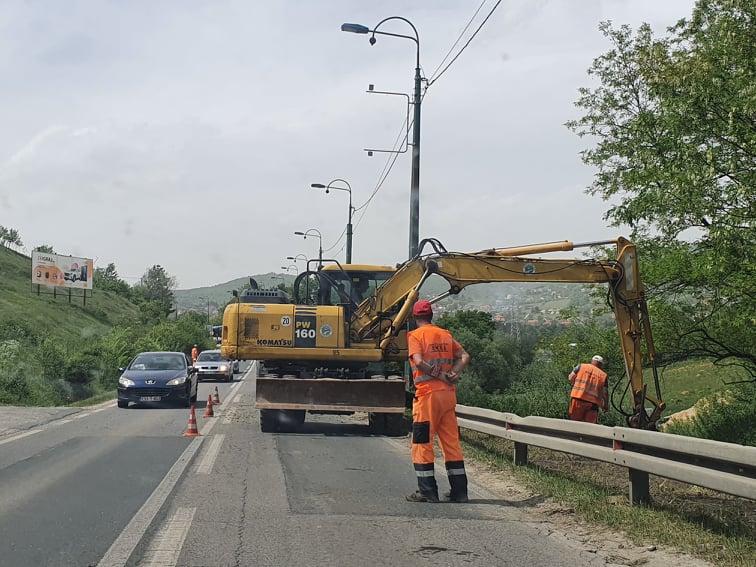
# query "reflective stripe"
(452, 472)
(424, 473)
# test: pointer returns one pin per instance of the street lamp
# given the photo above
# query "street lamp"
(298, 257)
(288, 268)
(314, 232)
(348, 189)
(414, 229)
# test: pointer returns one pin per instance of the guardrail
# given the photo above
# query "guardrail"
(725, 467)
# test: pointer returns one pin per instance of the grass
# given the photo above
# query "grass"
(715, 527)
(684, 383)
(56, 316)
(96, 399)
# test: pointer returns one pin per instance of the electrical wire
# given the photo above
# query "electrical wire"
(440, 74)
(459, 38)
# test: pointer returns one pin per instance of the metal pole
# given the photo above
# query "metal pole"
(414, 230)
(349, 233)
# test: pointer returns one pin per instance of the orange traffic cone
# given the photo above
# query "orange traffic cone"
(191, 429)
(209, 407)
(216, 397)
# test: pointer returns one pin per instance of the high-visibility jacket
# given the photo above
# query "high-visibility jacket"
(195, 354)
(439, 349)
(590, 385)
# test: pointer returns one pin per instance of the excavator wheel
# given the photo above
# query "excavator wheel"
(389, 424)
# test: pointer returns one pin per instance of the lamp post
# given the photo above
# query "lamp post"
(414, 220)
(314, 232)
(348, 189)
(298, 257)
(288, 268)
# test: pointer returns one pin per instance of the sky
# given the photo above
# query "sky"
(187, 133)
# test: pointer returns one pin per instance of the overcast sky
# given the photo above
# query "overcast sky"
(187, 133)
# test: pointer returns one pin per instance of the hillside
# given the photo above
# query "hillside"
(55, 315)
(219, 294)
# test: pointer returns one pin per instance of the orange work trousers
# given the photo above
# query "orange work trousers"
(433, 414)
(580, 410)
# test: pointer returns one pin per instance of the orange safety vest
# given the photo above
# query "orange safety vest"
(195, 353)
(590, 384)
(438, 348)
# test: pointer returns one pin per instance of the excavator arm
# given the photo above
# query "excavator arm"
(382, 316)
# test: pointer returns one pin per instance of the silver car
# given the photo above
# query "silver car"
(211, 364)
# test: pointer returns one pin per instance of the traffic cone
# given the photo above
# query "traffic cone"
(216, 397)
(191, 429)
(209, 407)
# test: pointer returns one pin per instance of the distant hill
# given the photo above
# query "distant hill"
(196, 299)
(55, 316)
(521, 300)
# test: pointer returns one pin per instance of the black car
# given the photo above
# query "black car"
(158, 377)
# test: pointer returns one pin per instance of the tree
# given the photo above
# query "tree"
(675, 153)
(45, 248)
(10, 236)
(107, 278)
(155, 288)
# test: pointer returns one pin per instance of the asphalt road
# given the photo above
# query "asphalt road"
(123, 487)
(71, 486)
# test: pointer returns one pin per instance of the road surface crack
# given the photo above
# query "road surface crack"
(242, 519)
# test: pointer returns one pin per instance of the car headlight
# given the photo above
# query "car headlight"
(176, 381)
(125, 382)
(223, 367)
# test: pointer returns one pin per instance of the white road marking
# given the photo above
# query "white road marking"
(165, 548)
(124, 545)
(20, 435)
(119, 552)
(211, 453)
(57, 422)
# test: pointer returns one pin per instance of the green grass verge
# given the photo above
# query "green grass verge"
(55, 316)
(684, 383)
(96, 399)
(723, 534)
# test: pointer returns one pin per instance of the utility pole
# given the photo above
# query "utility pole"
(414, 220)
(414, 232)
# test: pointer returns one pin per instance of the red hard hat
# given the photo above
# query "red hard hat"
(422, 308)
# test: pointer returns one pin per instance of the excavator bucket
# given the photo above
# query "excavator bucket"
(379, 395)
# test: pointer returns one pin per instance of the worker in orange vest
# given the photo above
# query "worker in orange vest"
(195, 354)
(437, 361)
(590, 391)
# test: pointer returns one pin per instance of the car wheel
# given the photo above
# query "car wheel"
(123, 404)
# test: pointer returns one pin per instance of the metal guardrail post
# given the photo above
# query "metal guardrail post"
(639, 492)
(520, 454)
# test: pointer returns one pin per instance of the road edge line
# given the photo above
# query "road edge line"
(120, 551)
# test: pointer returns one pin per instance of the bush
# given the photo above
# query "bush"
(725, 416)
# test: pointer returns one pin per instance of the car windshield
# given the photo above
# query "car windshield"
(209, 357)
(158, 361)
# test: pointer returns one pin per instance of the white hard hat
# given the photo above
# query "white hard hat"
(597, 358)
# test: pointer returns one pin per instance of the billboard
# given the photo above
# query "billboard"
(61, 271)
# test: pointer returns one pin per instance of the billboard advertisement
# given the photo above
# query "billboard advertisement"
(62, 271)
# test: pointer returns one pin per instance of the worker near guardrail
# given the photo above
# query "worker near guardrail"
(590, 391)
(437, 361)
(195, 354)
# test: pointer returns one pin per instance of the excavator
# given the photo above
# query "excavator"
(333, 348)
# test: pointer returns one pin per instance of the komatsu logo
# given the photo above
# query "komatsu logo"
(274, 342)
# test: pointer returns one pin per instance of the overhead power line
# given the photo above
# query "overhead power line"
(459, 38)
(437, 77)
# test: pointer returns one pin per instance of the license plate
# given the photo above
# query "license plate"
(150, 399)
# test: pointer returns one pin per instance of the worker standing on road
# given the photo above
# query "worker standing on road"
(590, 391)
(437, 361)
(195, 354)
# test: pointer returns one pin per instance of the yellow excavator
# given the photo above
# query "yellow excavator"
(330, 350)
